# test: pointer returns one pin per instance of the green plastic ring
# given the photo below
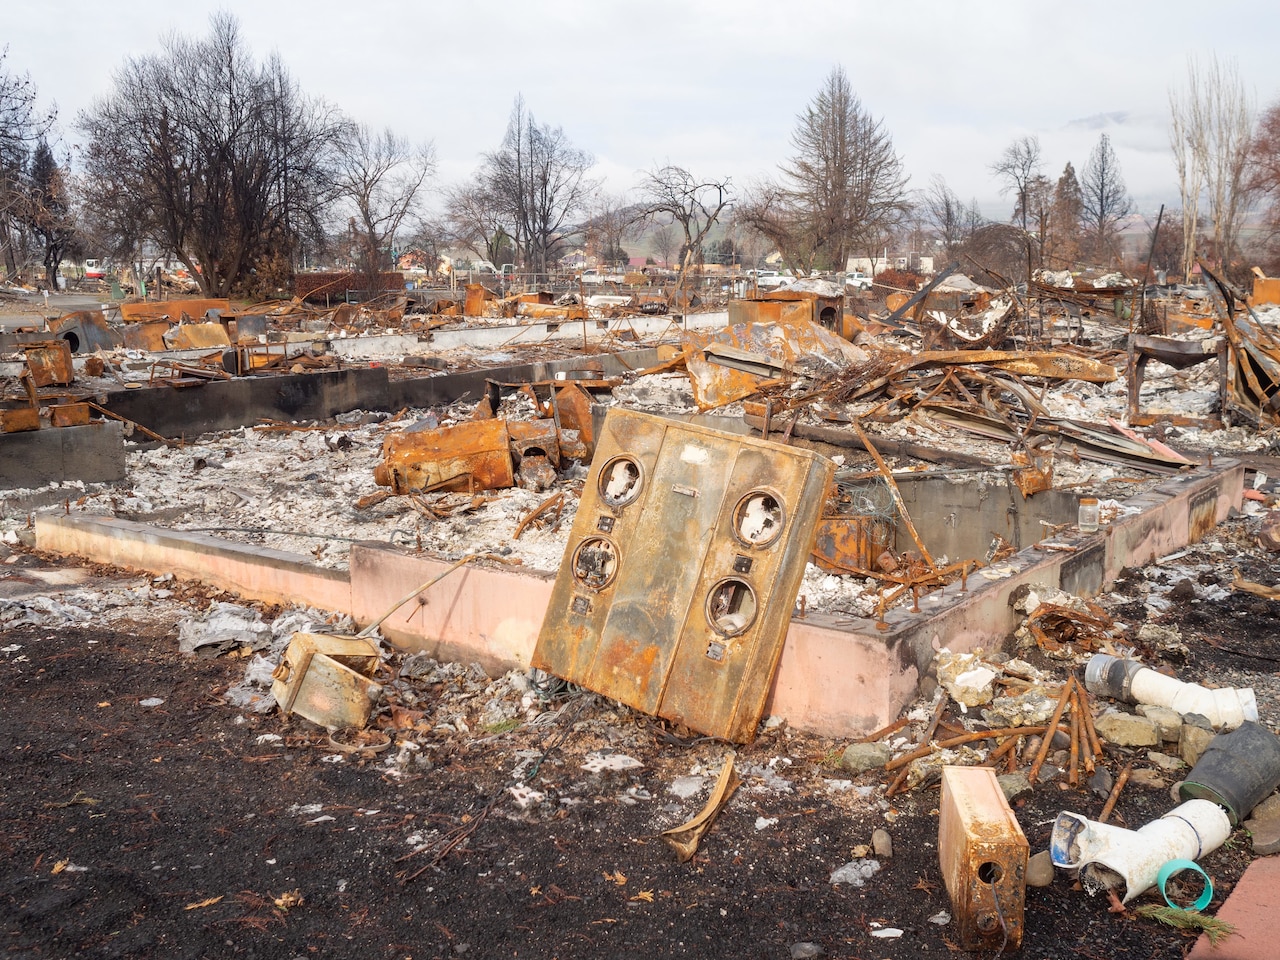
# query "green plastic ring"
(1177, 866)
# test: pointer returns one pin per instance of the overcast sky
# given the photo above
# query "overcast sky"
(712, 86)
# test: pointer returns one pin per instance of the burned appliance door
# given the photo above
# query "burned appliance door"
(682, 570)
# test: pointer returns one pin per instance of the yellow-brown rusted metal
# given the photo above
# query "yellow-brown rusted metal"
(50, 363)
(982, 854)
(682, 570)
(472, 455)
(327, 679)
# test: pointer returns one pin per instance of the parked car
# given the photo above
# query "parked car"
(857, 281)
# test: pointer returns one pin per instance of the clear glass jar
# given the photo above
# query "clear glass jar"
(1087, 517)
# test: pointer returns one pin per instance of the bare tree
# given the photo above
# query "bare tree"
(1018, 168)
(1264, 172)
(474, 219)
(539, 179)
(611, 220)
(663, 240)
(22, 126)
(947, 214)
(1105, 200)
(46, 208)
(843, 187)
(1211, 131)
(209, 156)
(694, 204)
(1019, 171)
(379, 179)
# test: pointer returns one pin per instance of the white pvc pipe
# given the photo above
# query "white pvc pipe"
(1128, 861)
(1225, 708)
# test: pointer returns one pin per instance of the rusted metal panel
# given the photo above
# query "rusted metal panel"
(327, 679)
(471, 455)
(86, 331)
(473, 305)
(982, 853)
(50, 363)
(146, 335)
(156, 309)
(551, 311)
(1032, 474)
(20, 420)
(682, 569)
(845, 543)
(198, 336)
(69, 414)
(573, 409)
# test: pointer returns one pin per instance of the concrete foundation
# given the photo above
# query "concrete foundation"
(837, 677)
(93, 453)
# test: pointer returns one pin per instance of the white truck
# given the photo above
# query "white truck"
(592, 275)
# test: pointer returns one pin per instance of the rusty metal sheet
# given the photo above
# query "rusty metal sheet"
(551, 312)
(69, 414)
(789, 343)
(1064, 366)
(848, 543)
(475, 454)
(476, 295)
(86, 331)
(50, 363)
(327, 679)
(534, 438)
(982, 853)
(682, 570)
(573, 409)
(147, 335)
(197, 336)
(1032, 474)
(20, 420)
(157, 309)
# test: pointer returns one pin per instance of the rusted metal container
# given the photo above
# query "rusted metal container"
(845, 543)
(982, 853)
(471, 455)
(328, 680)
(50, 363)
(69, 414)
(20, 420)
(476, 295)
(682, 569)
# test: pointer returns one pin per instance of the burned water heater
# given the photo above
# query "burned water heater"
(682, 570)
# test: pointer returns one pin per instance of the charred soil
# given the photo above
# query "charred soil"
(188, 828)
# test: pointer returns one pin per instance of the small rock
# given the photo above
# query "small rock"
(887, 933)
(941, 918)
(1183, 591)
(882, 843)
(1192, 743)
(860, 757)
(1164, 761)
(1040, 871)
(1127, 730)
(799, 951)
(1197, 720)
(1145, 777)
(1061, 740)
(1268, 809)
(1014, 785)
(1060, 758)
(1102, 782)
(1266, 835)
(1049, 773)
(969, 681)
(856, 872)
(150, 702)
(1168, 722)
